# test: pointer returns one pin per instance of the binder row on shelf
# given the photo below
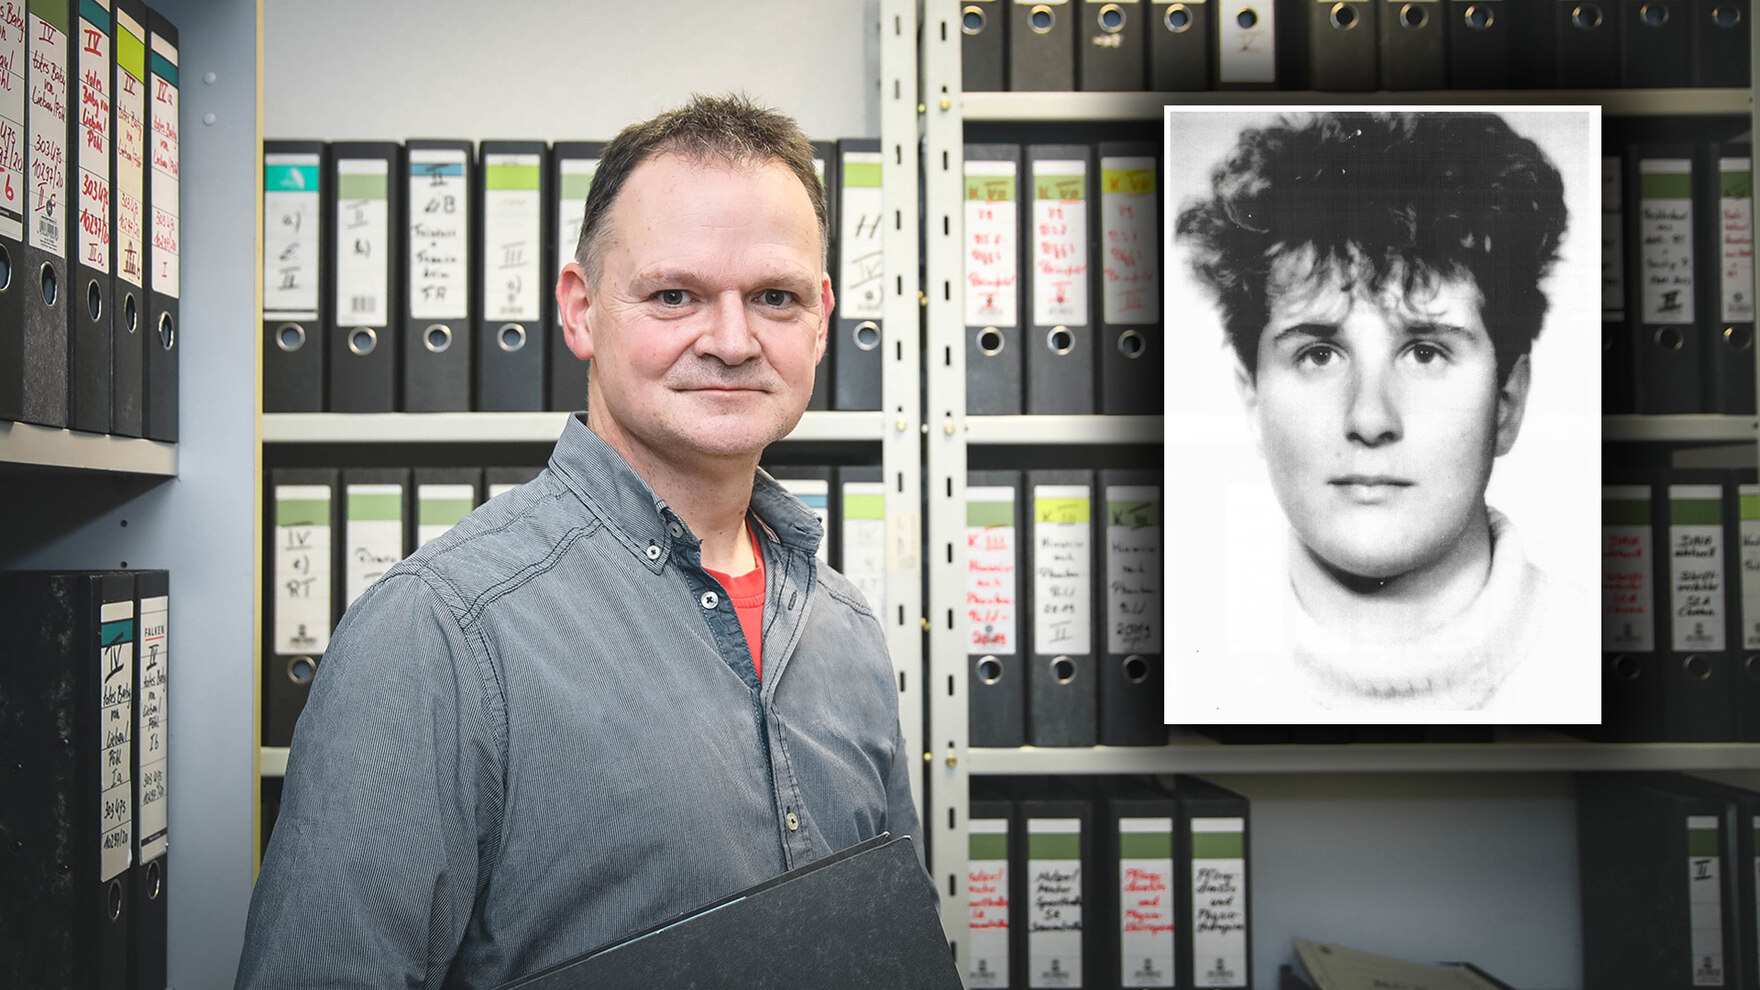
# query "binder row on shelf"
(419, 277)
(1185, 45)
(1677, 277)
(83, 837)
(89, 231)
(1062, 279)
(1063, 608)
(1107, 882)
(336, 531)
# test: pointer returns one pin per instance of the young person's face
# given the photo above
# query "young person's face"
(1378, 415)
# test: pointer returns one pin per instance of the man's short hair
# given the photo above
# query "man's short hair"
(727, 130)
(1423, 195)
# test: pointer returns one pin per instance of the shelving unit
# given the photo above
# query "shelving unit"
(28, 445)
(506, 427)
(1147, 106)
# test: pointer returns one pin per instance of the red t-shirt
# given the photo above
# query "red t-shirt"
(747, 593)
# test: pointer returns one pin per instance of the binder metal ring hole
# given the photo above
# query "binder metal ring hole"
(1751, 666)
(301, 670)
(1063, 669)
(1670, 339)
(115, 899)
(1060, 340)
(1726, 15)
(511, 337)
(1178, 19)
(1586, 17)
(867, 335)
(1653, 15)
(1041, 19)
(989, 670)
(1343, 16)
(1740, 338)
(94, 300)
(131, 316)
(1413, 16)
(50, 289)
(1132, 344)
(362, 340)
(991, 341)
(5, 270)
(1697, 666)
(1627, 667)
(1478, 17)
(167, 331)
(1247, 17)
(290, 337)
(971, 20)
(155, 881)
(1111, 19)
(1136, 669)
(437, 338)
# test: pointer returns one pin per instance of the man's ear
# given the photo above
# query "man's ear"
(1248, 391)
(826, 300)
(1512, 404)
(573, 301)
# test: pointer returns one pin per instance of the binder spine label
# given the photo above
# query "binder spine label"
(1627, 563)
(815, 494)
(1145, 889)
(155, 662)
(990, 571)
(1665, 216)
(116, 725)
(290, 236)
(1246, 43)
(1695, 534)
(864, 540)
(513, 223)
(1060, 242)
(1613, 269)
(440, 507)
(363, 242)
(1054, 908)
(373, 536)
(1130, 265)
(1705, 900)
(1133, 569)
(131, 147)
(1062, 622)
(439, 228)
(47, 187)
(987, 903)
(1219, 901)
(861, 284)
(302, 568)
(1736, 203)
(992, 248)
(94, 129)
(1749, 530)
(573, 184)
(167, 236)
(13, 182)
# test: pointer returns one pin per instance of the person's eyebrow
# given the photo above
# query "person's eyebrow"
(646, 283)
(1322, 331)
(1438, 330)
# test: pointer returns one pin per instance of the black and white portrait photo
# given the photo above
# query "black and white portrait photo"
(1383, 422)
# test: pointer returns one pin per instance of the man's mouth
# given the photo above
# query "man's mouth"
(1369, 489)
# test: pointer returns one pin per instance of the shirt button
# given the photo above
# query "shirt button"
(676, 530)
(793, 822)
(653, 552)
(709, 600)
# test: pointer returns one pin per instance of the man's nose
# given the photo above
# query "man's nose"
(1372, 414)
(729, 335)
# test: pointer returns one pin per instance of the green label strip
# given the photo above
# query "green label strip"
(577, 185)
(994, 846)
(1737, 185)
(510, 177)
(1666, 185)
(302, 512)
(864, 507)
(1750, 506)
(990, 188)
(1060, 510)
(1702, 842)
(989, 514)
(1127, 180)
(131, 53)
(1133, 513)
(1219, 845)
(1060, 187)
(370, 507)
(361, 185)
(1145, 845)
(864, 175)
(444, 511)
(1054, 845)
(1623, 512)
(53, 11)
(1695, 512)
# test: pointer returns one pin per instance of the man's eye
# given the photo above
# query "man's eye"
(1426, 353)
(1319, 355)
(777, 297)
(671, 297)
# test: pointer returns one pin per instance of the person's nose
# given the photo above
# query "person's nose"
(729, 335)
(1372, 415)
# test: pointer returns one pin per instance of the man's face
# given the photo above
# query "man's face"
(1378, 415)
(709, 315)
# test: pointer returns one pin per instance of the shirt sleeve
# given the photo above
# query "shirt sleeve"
(392, 795)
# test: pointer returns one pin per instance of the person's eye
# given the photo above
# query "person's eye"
(776, 297)
(671, 297)
(1316, 355)
(1425, 352)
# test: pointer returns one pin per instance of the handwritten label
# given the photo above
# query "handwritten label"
(131, 149)
(1130, 261)
(1060, 242)
(1133, 569)
(992, 244)
(13, 180)
(1145, 891)
(302, 568)
(372, 540)
(363, 242)
(290, 236)
(116, 732)
(1665, 230)
(1054, 902)
(46, 189)
(1705, 899)
(991, 579)
(1219, 901)
(440, 507)
(861, 286)
(987, 903)
(167, 170)
(94, 130)
(1628, 623)
(439, 232)
(513, 220)
(1062, 575)
(1749, 531)
(1613, 268)
(153, 713)
(864, 540)
(1736, 215)
(1695, 537)
(1247, 52)
(576, 180)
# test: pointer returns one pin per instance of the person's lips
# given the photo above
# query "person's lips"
(1369, 489)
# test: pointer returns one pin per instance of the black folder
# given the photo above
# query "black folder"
(1663, 274)
(1727, 201)
(1126, 202)
(1721, 43)
(304, 515)
(861, 286)
(1060, 341)
(1586, 43)
(294, 236)
(68, 686)
(44, 271)
(437, 312)
(1132, 672)
(373, 532)
(1109, 46)
(1481, 44)
(1055, 865)
(1180, 33)
(1342, 42)
(825, 165)
(995, 608)
(1042, 45)
(1062, 686)
(152, 859)
(128, 305)
(513, 250)
(1137, 827)
(993, 212)
(1656, 44)
(1619, 373)
(1697, 681)
(1414, 44)
(13, 288)
(1632, 576)
(982, 25)
(364, 294)
(1213, 866)
(1248, 45)
(1745, 616)
(860, 495)
(93, 222)
(572, 165)
(443, 497)
(860, 918)
(993, 933)
(159, 402)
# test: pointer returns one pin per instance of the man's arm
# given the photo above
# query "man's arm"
(394, 773)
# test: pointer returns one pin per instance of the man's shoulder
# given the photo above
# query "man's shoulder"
(843, 591)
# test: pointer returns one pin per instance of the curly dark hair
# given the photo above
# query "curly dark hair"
(1421, 194)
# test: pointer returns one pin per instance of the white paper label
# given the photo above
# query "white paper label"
(1130, 263)
(1247, 43)
(373, 536)
(94, 148)
(572, 205)
(1613, 271)
(1145, 890)
(992, 244)
(47, 188)
(864, 540)
(439, 233)
(1133, 569)
(987, 907)
(1705, 903)
(440, 507)
(1627, 563)
(363, 242)
(991, 581)
(13, 181)
(1219, 906)
(1749, 529)
(155, 660)
(1737, 227)
(861, 289)
(302, 568)
(116, 730)
(131, 162)
(815, 493)
(1666, 229)
(1054, 906)
(1060, 242)
(513, 220)
(290, 236)
(1696, 552)
(1062, 570)
(167, 172)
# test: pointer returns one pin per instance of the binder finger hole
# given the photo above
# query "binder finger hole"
(115, 899)
(167, 331)
(867, 335)
(1478, 17)
(1739, 338)
(1060, 340)
(155, 881)
(437, 338)
(1111, 19)
(512, 337)
(131, 317)
(1627, 668)
(989, 670)
(1136, 669)
(50, 289)
(1247, 17)
(1653, 15)
(94, 300)
(1132, 344)
(971, 20)
(1413, 16)
(1697, 666)
(1670, 339)
(1041, 19)
(301, 670)
(1726, 15)
(1343, 16)
(5, 270)
(1063, 669)
(991, 341)
(1178, 19)
(290, 337)
(362, 340)
(1586, 17)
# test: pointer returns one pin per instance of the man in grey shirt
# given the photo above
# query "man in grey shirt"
(555, 725)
